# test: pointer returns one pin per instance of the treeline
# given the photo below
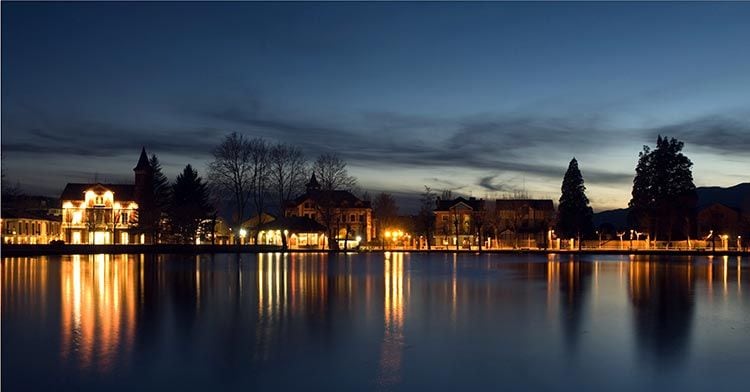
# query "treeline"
(250, 176)
(663, 203)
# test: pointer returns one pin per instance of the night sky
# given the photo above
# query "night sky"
(484, 98)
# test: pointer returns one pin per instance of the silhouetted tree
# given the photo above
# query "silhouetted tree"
(259, 177)
(230, 172)
(332, 176)
(385, 210)
(162, 194)
(426, 216)
(287, 172)
(664, 196)
(574, 215)
(189, 206)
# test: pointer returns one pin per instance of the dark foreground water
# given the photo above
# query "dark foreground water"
(375, 322)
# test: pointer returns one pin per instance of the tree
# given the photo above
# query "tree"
(663, 199)
(161, 197)
(287, 172)
(574, 215)
(189, 206)
(259, 177)
(385, 210)
(426, 215)
(330, 171)
(230, 172)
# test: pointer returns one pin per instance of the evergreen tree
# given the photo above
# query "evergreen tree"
(162, 190)
(664, 197)
(189, 206)
(574, 215)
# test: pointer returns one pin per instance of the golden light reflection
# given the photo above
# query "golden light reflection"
(24, 285)
(99, 298)
(287, 284)
(393, 311)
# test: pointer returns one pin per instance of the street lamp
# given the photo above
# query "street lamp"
(243, 233)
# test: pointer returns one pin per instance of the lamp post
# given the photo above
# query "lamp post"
(243, 233)
(631, 239)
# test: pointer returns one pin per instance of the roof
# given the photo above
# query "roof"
(75, 191)
(143, 163)
(295, 224)
(473, 203)
(537, 204)
(16, 214)
(341, 199)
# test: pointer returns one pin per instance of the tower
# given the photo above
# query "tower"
(313, 184)
(143, 192)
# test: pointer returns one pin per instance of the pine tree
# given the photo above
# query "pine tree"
(664, 198)
(574, 215)
(162, 190)
(189, 206)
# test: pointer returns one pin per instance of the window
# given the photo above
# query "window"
(362, 218)
(99, 201)
(351, 218)
(307, 205)
(124, 218)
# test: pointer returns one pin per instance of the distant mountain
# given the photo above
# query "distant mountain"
(617, 217)
(737, 196)
(731, 197)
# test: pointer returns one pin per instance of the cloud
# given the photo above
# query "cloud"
(726, 134)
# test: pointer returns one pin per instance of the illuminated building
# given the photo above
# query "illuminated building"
(106, 213)
(27, 228)
(454, 221)
(347, 210)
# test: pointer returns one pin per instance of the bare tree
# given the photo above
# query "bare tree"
(230, 172)
(259, 177)
(287, 172)
(426, 216)
(332, 176)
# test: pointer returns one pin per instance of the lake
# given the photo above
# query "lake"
(394, 321)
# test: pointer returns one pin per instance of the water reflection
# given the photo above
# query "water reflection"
(382, 321)
(662, 298)
(394, 310)
(98, 309)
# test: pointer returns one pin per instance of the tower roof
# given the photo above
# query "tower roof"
(313, 183)
(142, 161)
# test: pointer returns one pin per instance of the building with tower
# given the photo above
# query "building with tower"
(97, 213)
(347, 217)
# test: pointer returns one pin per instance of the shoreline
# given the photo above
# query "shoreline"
(15, 250)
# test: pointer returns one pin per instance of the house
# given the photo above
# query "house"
(524, 223)
(348, 216)
(719, 218)
(300, 233)
(96, 213)
(20, 227)
(456, 222)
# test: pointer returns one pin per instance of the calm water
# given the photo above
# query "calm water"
(375, 322)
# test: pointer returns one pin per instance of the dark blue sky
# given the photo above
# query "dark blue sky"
(480, 98)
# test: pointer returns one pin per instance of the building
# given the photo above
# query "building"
(29, 228)
(96, 213)
(347, 217)
(300, 233)
(456, 222)
(524, 223)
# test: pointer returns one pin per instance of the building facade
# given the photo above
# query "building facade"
(524, 223)
(456, 222)
(25, 228)
(96, 213)
(346, 216)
